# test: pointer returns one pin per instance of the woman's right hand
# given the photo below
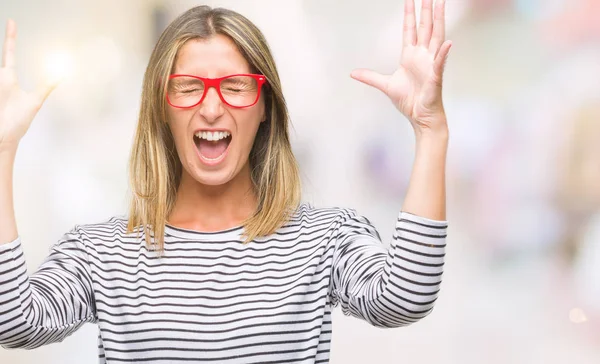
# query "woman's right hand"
(17, 107)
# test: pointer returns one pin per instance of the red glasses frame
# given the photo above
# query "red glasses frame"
(216, 83)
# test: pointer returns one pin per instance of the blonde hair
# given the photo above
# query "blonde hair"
(155, 168)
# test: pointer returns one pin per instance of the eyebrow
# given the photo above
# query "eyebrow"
(218, 74)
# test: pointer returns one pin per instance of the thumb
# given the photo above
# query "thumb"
(44, 89)
(370, 78)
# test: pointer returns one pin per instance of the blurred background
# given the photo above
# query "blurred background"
(522, 93)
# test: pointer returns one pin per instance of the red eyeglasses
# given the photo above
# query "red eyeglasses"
(240, 90)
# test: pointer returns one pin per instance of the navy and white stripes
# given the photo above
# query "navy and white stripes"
(212, 299)
(388, 287)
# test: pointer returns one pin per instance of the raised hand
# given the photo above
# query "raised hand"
(415, 87)
(17, 107)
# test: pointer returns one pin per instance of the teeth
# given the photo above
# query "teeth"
(214, 136)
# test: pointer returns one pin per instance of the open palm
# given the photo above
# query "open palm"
(415, 88)
(17, 107)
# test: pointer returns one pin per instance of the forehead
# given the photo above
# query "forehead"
(213, 57)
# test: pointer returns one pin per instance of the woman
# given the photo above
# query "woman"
(218, 260)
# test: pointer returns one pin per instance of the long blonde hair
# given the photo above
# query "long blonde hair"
(155, 168)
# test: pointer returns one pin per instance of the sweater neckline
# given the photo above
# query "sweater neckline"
(190, 233)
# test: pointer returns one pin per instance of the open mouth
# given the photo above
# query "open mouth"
(212, 146)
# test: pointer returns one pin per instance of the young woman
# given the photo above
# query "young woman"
(218, 260)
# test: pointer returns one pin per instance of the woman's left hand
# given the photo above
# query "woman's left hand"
(415, 87)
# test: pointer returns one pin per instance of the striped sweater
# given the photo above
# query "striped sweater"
(211, 299)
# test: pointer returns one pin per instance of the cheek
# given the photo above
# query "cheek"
(178, 128)
(247, 128)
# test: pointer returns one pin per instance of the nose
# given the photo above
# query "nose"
(211, 107)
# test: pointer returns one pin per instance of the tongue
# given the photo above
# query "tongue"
(212, 149)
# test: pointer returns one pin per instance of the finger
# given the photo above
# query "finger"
(370, 78)
(425, 27)
(8, 51)
(409, 31)
(440, 61)
(439, 27)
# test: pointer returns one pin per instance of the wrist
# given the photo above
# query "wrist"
(434, 140)
(8, 147)
(8, 152)
(431, 127)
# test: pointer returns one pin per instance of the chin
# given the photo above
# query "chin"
(208, 177)
(212, 178)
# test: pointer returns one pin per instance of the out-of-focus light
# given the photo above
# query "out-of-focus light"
(102, 61)
(577, 316)
(540, 9)
(58, 66)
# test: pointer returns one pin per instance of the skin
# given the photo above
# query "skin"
(17, 110)
(415, 88)
(224, 191)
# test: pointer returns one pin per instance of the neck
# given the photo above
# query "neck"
(213, 208)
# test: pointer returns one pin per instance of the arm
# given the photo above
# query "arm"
(426, 194)
(388, 287)
(51, 304)
(415, 88)
(58, 298)
(17, 110)
(396, 287)
(399, 286)
(8, 226)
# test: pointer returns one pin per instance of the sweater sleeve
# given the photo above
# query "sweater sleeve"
(53, 302)
(388, 287)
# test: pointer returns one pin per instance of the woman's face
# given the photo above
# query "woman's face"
(213, 162)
